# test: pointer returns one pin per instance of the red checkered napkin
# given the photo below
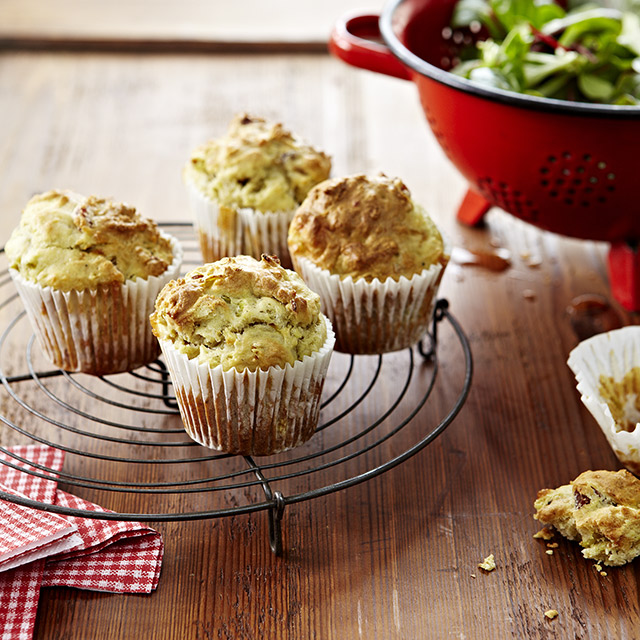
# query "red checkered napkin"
(40, 489)
(121, 557)
(20, 588)
(19, 595)
(100, 555)
(28, 534)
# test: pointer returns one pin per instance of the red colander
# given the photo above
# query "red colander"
(567, 167)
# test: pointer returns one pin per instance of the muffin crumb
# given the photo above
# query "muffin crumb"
(545, 534)
(488, 564)
(551, 614)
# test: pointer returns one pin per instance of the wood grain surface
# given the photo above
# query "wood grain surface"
(391, 558)
(184, 25)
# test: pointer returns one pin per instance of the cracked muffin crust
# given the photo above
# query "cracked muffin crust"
(365, 227)
(257, 164)
(240, 313)
(71, 242)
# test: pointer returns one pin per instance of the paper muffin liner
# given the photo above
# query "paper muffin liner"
(266, 233)
(98, 331)
(230, 231)
(375, 317)
(249, 413)
(607, 370)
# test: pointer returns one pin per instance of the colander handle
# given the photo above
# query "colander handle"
(356, 40)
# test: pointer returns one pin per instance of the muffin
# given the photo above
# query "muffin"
(375, 257)
(247, 349)
(245, 186)
(607, 371)
(600, 510)
(88, 271)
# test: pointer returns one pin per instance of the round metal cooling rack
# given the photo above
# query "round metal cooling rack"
(147, 393)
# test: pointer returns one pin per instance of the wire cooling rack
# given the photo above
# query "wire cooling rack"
(131, 422)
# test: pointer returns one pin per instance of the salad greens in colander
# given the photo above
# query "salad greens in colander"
(587, 54)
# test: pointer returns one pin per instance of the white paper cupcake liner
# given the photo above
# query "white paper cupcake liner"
(607, 370)
(375, 317)
(266, 233)
(227, 231)
(249, 413)
(98, 331)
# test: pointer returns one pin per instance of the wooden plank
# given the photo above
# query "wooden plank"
(185, 26)
(392, 557)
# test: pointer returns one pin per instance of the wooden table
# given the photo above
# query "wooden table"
(396, 556)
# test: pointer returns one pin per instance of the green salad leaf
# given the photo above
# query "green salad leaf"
(587, 54)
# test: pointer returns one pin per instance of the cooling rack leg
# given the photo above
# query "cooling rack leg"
(438, 315)
(276, 509)
(275, 523)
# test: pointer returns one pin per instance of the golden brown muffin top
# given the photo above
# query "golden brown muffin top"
(71, 242)
(600, 509)
(365, 227)
(258, 164)
(240, 312)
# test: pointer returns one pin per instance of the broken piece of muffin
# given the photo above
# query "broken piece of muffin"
(600, 510)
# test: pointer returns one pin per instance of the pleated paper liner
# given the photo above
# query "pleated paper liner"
(98, 331)
(376, 317)
(250, 413)
(230, 231)
(607, 370)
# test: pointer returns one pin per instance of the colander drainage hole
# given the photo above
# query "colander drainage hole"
(577, 178)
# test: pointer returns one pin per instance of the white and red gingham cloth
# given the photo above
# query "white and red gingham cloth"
(41, 549)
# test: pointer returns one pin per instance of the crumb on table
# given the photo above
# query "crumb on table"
(488, 564)
(545, 533)
(551, 614)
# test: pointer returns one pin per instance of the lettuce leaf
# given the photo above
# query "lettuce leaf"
(588, 54)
